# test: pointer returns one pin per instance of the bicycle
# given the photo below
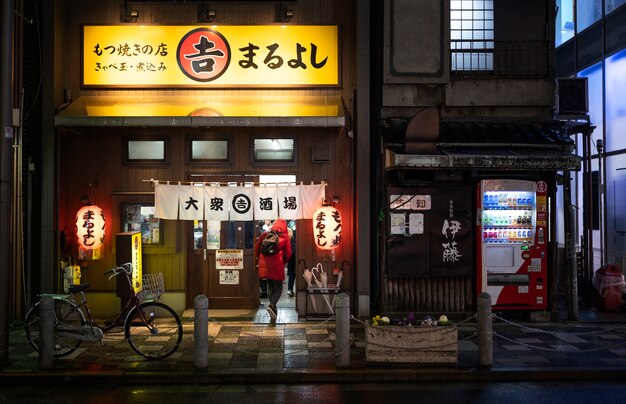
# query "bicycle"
(152, 328)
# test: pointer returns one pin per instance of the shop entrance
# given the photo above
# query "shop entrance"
(212, 242)
(208, 241)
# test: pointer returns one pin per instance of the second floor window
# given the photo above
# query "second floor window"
(471, 35)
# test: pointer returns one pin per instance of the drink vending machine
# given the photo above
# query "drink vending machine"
(512, 233)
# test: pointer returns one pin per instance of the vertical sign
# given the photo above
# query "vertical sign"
(136, 261)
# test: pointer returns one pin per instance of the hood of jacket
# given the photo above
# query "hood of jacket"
(280, 226)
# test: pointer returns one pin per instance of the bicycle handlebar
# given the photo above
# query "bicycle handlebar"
(119, 269)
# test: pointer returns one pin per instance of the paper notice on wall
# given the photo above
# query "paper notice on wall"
(410, 202)
(398, 223)
(416, 223)
(229, 277)
(213, 231)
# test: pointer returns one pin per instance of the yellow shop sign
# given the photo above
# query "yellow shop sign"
(216, 56)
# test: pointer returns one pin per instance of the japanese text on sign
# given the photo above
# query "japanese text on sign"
(228, 277)
(222, 56)
(409, 202)
(449, 230)
(229, 259)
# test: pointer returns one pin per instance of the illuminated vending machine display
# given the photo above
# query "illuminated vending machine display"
(512, 233)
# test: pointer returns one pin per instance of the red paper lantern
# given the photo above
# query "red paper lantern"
(327, 227)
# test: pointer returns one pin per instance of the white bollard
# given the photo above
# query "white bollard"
(342, 331)
(46, 332)
(201, 332)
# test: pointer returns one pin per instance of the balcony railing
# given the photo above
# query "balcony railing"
(501, 58)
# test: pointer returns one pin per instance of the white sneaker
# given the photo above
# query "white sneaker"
(290, 293)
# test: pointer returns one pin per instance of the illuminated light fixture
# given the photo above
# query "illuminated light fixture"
(283, 14)
(327, 226)
(128, 16)
(90, 224)
(205, 13)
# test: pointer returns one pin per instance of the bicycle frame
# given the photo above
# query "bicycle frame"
(72, 332)
(140, 319)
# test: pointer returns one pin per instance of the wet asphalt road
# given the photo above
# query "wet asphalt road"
(440, 393)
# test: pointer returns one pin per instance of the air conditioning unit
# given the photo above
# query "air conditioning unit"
(572, 97)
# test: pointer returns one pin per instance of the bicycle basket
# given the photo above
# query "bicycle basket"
(152, 286)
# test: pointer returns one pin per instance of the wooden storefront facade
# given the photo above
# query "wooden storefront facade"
(93, 162)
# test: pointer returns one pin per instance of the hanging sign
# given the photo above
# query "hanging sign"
(216, 56)
(90, 225)
(327, 227)
(191, 202)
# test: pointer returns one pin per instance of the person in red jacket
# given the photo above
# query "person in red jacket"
(272, 267)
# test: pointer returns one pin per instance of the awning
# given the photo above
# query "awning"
(487, 145)
(204, 110)
(508, 162)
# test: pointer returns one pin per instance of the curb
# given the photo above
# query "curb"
(124, 378)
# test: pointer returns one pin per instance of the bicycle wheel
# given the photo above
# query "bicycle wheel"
(66, 312)
(153, 330)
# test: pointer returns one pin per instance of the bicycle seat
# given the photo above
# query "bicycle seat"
(78, 288)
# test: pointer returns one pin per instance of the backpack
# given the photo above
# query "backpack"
(269, 244)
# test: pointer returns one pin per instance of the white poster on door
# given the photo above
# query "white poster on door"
(229, 259)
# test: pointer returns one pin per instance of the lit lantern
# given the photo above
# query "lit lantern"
(90, 231)
(327, 227)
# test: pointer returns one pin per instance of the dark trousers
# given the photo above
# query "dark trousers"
(274, 290)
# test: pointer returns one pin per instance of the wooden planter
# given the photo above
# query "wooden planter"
(402, 344)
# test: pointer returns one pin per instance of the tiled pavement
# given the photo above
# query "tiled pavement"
(249, 351)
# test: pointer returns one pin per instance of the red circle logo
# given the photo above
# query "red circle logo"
(203, 55)
(542, 186)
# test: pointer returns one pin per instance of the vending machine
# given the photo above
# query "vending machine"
(512, 231)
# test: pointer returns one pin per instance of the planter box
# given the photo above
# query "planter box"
(402, 344)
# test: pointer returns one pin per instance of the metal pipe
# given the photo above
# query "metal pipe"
(601, 193)
(569, 227)
(573, 273)
(6, 161)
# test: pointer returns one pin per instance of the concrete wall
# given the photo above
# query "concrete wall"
(416, 66)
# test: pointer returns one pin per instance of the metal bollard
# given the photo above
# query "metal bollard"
(342, 331)
(485, 331)
(201, 332)
(46, 332)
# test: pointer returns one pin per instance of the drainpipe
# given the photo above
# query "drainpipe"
(6, 162)
(570, 248)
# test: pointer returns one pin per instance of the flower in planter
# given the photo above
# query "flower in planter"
(378, 320)
(410, 317)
